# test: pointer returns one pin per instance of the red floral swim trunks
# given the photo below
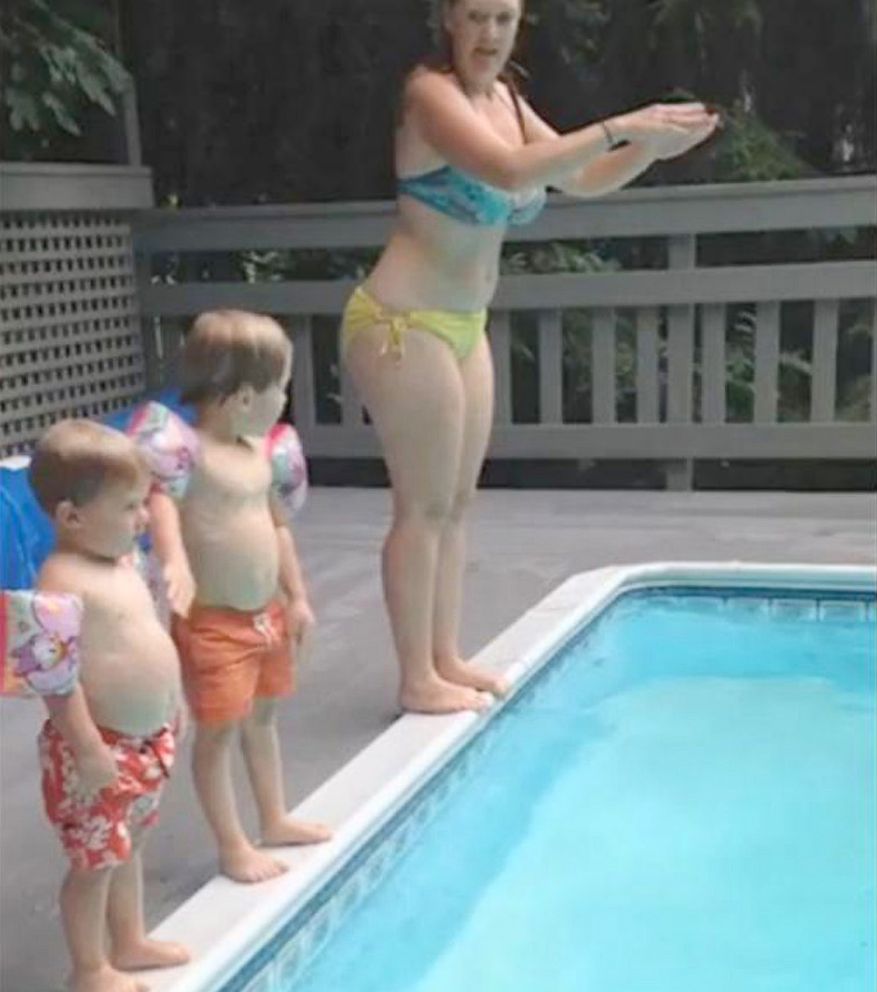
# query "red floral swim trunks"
(96, 830)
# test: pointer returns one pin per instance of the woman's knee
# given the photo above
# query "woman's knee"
(460, 504)
(428, 511)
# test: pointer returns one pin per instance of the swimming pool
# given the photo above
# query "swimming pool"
(682, 799)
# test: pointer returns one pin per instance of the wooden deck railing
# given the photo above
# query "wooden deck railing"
(677, 398)
(680, 314)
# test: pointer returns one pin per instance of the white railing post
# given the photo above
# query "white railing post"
(682, 255)
(823, 399)
(767, 355)
(501, 347)
(550, 367)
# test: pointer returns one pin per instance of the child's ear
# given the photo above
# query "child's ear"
(243, 396)
(67, 515)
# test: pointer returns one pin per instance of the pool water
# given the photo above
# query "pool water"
(683, 802)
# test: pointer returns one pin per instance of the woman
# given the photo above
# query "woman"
(472, 157)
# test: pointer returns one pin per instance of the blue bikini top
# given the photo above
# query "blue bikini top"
(470, 200)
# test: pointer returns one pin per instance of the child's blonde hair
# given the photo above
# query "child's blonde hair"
(227, 349)
(75, 459)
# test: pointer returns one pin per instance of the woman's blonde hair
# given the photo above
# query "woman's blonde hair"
(76, 459)
(227, 349)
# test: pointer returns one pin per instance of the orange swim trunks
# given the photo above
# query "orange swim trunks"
(96, 831)
(229, 657)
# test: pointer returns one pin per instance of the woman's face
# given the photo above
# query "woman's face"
(482, 35)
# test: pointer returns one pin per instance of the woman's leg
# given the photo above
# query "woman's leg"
(416, 405)
(477, 377)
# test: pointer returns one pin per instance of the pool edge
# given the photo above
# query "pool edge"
(225, 923)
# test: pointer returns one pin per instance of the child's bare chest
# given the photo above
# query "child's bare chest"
(116, 596)
(232, 473)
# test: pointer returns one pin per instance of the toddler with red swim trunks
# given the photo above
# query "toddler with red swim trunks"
(108, 746)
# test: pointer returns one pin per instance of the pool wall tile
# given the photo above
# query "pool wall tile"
(715, 604)
(845, 611)
(749, 606)
(795, 609)
(263, 982)
(289, 965)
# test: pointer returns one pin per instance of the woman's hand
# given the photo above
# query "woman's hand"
(669, 129)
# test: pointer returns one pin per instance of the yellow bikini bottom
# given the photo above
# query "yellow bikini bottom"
(460, 329)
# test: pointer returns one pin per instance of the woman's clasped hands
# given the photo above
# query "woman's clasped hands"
(670, 129)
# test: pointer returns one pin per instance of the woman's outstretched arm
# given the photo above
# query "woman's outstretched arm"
(616, 167)
(450, 124)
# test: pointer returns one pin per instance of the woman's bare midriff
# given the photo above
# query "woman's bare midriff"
(432, 262)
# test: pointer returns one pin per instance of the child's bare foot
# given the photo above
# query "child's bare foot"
(465, 673)
(247, 864)
(441, 696)
(146, 953)
(290, 831)
(105, 979)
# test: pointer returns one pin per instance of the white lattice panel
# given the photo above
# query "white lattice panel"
(70, 341)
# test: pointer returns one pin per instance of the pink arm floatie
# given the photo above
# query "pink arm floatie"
(39, 642)
(169, 445)
(289, 472)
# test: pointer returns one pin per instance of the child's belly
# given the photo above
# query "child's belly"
(133, 683)
(236, 565)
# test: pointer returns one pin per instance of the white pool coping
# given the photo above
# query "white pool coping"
(225, 923)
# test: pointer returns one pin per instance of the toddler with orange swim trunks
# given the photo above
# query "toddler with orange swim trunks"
(221, 533)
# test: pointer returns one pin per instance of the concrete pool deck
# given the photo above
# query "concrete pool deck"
(523, 544)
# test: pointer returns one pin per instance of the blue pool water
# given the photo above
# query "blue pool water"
(684, 802)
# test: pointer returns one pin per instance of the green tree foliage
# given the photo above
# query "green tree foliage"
(796, 78)
(55, 64)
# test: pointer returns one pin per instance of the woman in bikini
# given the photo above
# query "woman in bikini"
(472, 157)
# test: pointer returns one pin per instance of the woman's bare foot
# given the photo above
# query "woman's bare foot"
(290, 831)
(441, 696)
(247, 864)
(465, 673)
(146, 953)
(105, 979)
